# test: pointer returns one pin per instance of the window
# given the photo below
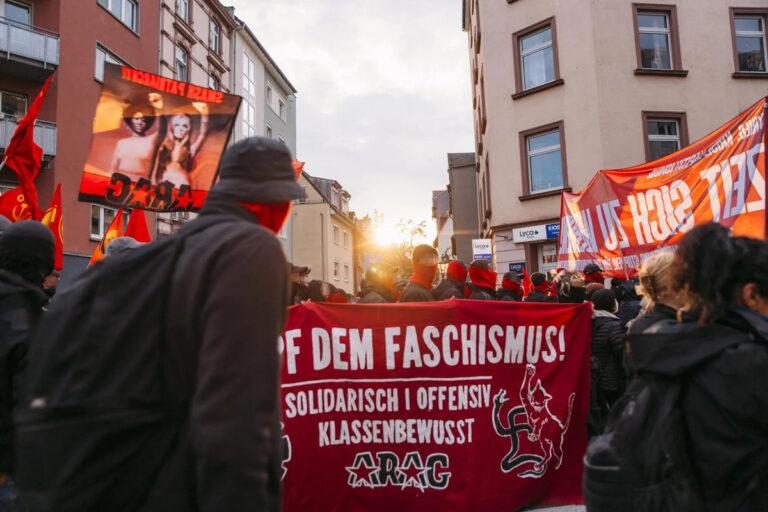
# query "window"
(336, 270)
(182, 65)
(346, 240)
(281, 139)
(543, 159)
(18, 13)
(269, 95)
(658, 45)
(665, 133)
(749, 40)
(346, 273)
(102, 56)
(215, 36)
(249, 75)
(269, 132)
(336, 235)
(127, 11)
(281, 108)
(13, 104)
(101, 218)
(536, 53)
(249, 119)
(214, 82)
(182, 9)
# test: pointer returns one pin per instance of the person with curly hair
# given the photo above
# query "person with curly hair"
(134, 155)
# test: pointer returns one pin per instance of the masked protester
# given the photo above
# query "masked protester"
(511, 289)
(379, 285)
(482, 281)
(337, 295)
(419, 287)
(540, 292)
(298, 283)
(452, 287)
(593, 274)
(26, 258)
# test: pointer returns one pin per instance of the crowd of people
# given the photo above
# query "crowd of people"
(694, 320)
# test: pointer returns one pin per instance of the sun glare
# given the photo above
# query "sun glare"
(387, 234)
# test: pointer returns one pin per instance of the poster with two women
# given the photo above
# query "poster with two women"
(156, 142)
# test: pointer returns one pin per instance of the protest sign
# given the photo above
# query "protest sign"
(622, 216)
(457, 405)
(156, 142)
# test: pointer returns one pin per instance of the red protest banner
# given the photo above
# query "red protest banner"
(622, 216)
(457, 405)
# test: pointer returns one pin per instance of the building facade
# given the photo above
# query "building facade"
(41, 37)
(441, 213)
(324, 233)
(463, 191)
(563, 88)
(269, 101)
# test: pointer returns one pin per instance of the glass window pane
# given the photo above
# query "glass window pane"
(116, 8)
(751, 52)
(544, 140)
(100, 58)
(652, 21)
(95, 229)
(654, 51)
(546, 171)
(129, 13)
(749, 24)
(538, 68)
(14, 104)
(662, 128)
(533, 40)
(18, 13)
(660, 148)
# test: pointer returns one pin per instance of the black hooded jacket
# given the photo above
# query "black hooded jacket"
(724, 401)
(448, 289)
(21, 305)
(374, 294)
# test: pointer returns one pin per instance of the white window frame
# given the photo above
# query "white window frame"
(268, 95)
(176, 62)
(269, 132)
(134, 23)
(182, 9)
(751, 33)
(664, 138)
(336, 271)
(214, 82)
(346, 273)
(336, 235)
(26, 104)
(345, 237)
(102, 224)
(664, 31)
(281, 108)
(22, 5)
(214, 36)
(249, 118)
(542, 151)
(110, 57)
(249, 75)
(540, 48)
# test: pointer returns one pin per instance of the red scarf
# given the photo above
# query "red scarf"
(337, 297)
(456, 272)
(482, 277)
(594, 277)
(271, 215)
(542, 287)
(513, 286)
(423, 275)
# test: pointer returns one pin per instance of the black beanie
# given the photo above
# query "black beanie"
(27, 249)
(604, 300)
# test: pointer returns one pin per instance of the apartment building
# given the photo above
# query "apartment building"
(562, 88)
(269, 101)
(40, 37)
(324, 233)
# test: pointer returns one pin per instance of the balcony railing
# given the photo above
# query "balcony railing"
(29, 43)
(44, 135)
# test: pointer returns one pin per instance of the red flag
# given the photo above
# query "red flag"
(53, 219)
(14, 205)
(24, 156)
(137, 227)
(113, 231)
(527, 284)
(298, 168)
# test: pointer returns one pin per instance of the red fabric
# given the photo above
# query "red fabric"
(405, 356)
(137, 227)
(622, 215)
(54, 220)
(271, 215)
(423, 275)
(298, 168)
(482, 277)
(337, 297)
(14, 206)
(114, 230)
(508, 284)
(553, 288)
(24, 156)
(527, 284)
(594, 277)
(456, 272)
(542, 287)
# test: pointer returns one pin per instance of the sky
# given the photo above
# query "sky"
(383, 94)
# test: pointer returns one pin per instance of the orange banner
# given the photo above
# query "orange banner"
(624, 215)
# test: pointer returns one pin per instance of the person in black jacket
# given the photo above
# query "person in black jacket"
(724, 282)
(452, 287)
(230, 300)
(482, 280)
(608, 336)
(540, 292)
(419, 287)
(511, 289)
(378, 286)
(26, 258)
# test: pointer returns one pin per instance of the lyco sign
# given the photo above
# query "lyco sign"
(536, 233)
(482, 249)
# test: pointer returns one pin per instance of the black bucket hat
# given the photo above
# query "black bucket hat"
(258, 170)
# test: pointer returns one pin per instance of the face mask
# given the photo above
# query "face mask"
(270, 215)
